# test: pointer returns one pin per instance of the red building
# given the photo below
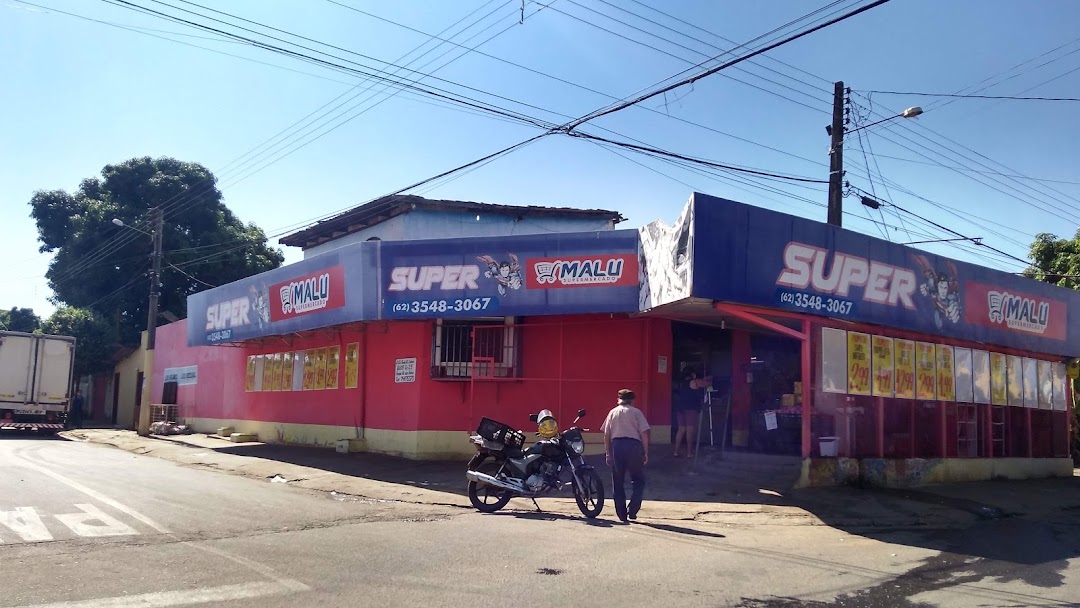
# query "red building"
(870, 361)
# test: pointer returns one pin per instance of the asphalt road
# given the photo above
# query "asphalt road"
(83, 525)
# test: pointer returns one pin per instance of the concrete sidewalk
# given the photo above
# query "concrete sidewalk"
(677, 490)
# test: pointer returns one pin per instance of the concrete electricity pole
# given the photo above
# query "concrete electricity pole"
(836, 157)
(151, 322)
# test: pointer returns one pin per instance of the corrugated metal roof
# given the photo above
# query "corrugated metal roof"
(382, 209)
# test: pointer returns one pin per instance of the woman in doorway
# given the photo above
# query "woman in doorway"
(691, 400)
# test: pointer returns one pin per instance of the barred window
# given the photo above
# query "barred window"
(486, 348)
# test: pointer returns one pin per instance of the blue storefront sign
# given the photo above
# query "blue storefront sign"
(510, 276)
(449, 278)
(330, 289)
(754, 256)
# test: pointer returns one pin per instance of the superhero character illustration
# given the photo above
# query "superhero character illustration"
(506, 272)
(260, 305)
(943, 289)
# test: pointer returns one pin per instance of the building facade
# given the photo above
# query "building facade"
(872, 362)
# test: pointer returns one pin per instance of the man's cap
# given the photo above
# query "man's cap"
(626, 395)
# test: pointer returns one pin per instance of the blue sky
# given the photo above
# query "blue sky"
(78, 95)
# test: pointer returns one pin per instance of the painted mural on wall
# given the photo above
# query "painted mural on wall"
(761, 257)
(666, 264)
(510, 276)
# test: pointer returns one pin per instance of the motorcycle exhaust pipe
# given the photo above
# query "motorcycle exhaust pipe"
(491, 481)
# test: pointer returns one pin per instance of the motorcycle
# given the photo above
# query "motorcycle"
(501, 470)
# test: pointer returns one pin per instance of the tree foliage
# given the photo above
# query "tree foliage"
(95, 338)
(1055, 260)
(19, 319)
(100, 266)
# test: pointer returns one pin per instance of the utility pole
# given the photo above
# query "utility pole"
(836, 157)
(151, 322)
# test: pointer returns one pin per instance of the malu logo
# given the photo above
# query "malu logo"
(306, 295)
(580, 272)
(1019, 312)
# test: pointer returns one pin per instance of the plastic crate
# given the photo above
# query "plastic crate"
(493, 430)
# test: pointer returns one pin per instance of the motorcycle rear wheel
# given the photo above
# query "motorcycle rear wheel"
(486, 498)
(590, 499)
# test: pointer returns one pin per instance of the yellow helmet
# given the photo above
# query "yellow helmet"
(548, 427)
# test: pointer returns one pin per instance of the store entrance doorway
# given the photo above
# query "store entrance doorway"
(753, 398)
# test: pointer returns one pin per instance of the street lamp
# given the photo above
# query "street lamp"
(151, 316)
(837, 130)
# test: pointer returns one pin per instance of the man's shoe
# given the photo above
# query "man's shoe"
(632, 516)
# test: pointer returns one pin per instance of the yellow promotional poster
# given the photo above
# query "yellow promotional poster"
(333, 361)
(275, 373)
(925, 371)
(287, 371)
(904, 352)
(320, 369)
(858, 363)
(352, 368)
(268, 373)
(884, 375)
(249, 382)
(946, 374)
(999, 394)
(309, 370)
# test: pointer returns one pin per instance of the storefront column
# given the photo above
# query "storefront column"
(740, 389)
(807, 391)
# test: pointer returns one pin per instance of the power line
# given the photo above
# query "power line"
(193, 278)
(960, 96)
(675, 56)
(709, 72)
(699, 160)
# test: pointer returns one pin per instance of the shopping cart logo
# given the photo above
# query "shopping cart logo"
(1018, 312)
(584, 271)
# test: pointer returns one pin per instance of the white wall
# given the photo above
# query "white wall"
(428, 224)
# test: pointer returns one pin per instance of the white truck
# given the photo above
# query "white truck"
(35, 381)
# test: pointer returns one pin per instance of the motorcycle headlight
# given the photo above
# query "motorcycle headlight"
(578, 445)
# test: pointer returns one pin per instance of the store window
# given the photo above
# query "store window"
(481, 348)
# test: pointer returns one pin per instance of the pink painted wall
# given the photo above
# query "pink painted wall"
(566, 362)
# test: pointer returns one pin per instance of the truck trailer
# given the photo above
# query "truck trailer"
(35, 381)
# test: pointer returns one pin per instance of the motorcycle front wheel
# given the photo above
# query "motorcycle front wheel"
(487, 498)
(590, 498)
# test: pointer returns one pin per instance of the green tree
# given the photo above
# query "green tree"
(19, 319)
(1055, 260)
(104, 267)
(95, 338)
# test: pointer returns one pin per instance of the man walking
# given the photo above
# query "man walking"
(626, 438)
(76, 414)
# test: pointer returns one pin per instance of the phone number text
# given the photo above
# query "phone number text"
(816, 303)
(420, 307)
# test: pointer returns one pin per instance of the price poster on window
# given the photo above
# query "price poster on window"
(905, 368)
(333, 366)
(268, 373)
(946, 379)
(999, 394)
(320, 368)
(249, 382)
(858, 363)
(287, 371)
(925, 371)
(275, 372)
(309, 370)
(883, 366)
(352, 365)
